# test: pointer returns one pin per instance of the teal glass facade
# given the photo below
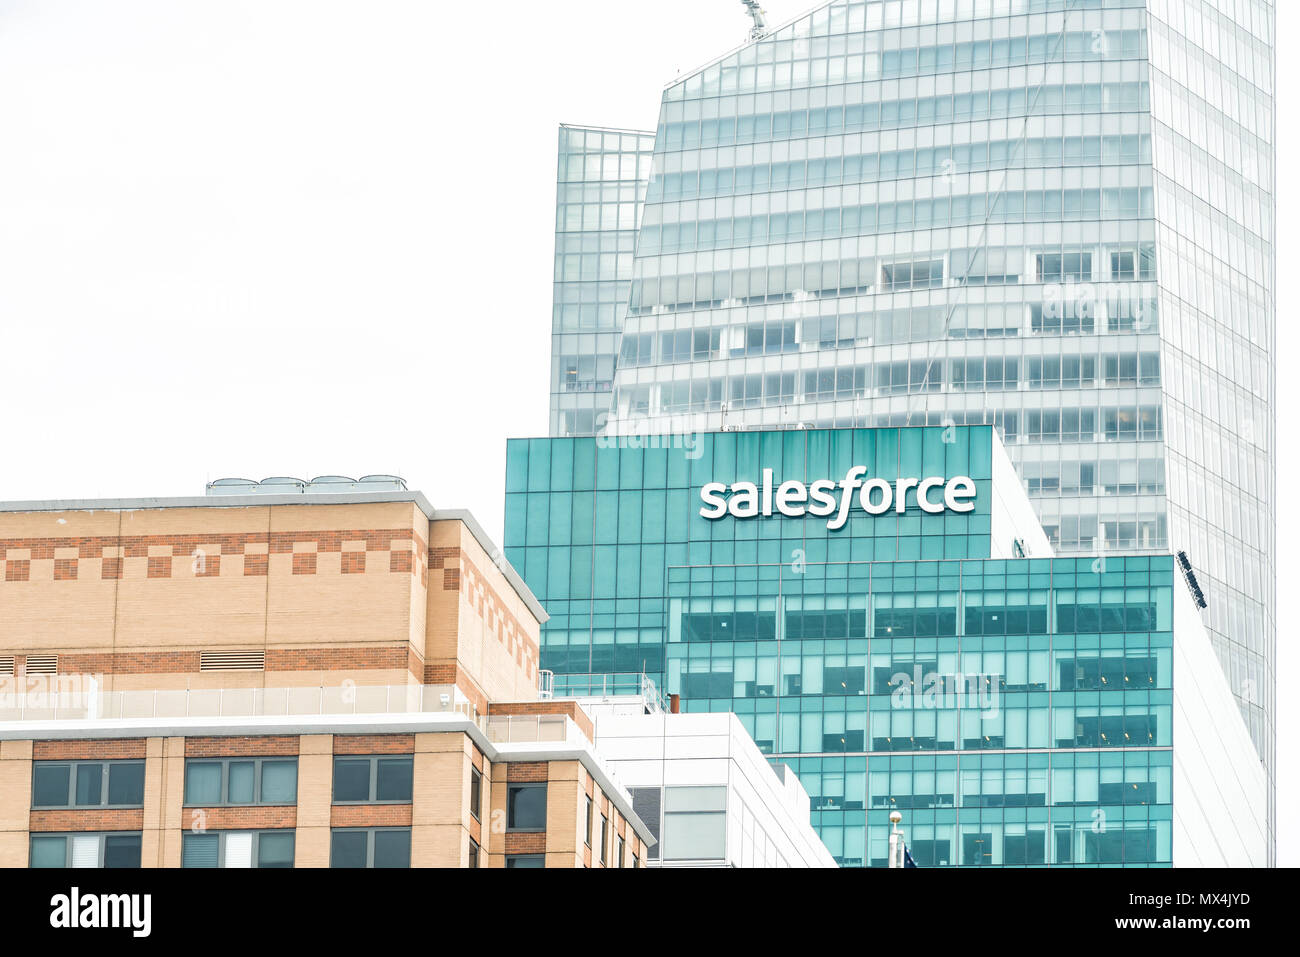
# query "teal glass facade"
(1017, 711)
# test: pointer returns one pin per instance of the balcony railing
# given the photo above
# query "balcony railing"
(618, 685)
(530, 729)
(78, 698)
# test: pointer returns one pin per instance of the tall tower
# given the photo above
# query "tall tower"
(1054, 216)
(601, 184)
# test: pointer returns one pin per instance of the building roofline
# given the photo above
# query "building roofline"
(619, 439)
(606, 129)
(308, 498)
(771, 31)
(495, 752)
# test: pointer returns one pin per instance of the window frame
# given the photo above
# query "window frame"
(475, 793)
(519, 786)
(106, 771)
(590, 817)
(370, 833)
(256, 844)
(374, 760)
(102, 837)
(225, 762)
(530, 857)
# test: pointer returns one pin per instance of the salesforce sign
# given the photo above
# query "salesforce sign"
(832, 500)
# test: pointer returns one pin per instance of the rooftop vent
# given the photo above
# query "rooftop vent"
(321, 484)
(232, 661)
(42, 664)
(283, 482)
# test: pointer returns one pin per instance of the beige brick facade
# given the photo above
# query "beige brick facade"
(439, 815)
(310, 596)
(375, 593)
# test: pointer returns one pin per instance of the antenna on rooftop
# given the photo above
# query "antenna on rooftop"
(760, 22)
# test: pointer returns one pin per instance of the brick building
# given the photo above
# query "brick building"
(284, 677)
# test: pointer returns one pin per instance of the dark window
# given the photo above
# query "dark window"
(121, 850)
(845, 681)
(473, 853)
(526, 807)
(90, 779)
(589, 820)
(50, 785)
(370, 847)
(393, 779)
(475, 793)
(349, 848)
(604, 839)
(392, 849)
(351, 779)
(275, 849)
(525, 860)
(373, 780)
(88, 784)
(1024, 848)
(125, 784)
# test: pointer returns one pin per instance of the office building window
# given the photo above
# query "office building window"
(114, 849)
(526, 807)
(238, 849)
(370, 847)
(589, 819)
(475, 793)
(87, 784)
(474, 851)
(525, 860)
(234, 781)
(373, 780)
(622, 849)
(695, 823)
(604, 839)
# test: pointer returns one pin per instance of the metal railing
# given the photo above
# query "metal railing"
(83, 701)
(531, 729)
(87, 702)
(618, 685)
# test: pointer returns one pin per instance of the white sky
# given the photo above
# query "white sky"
(297, 237)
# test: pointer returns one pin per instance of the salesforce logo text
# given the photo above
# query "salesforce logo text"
(827, 499)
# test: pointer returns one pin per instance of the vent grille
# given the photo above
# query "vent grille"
(232, 661)
(42, 664)
(6, 664)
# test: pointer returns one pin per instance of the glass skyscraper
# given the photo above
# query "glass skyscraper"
(601, 187)
(1051, 216)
